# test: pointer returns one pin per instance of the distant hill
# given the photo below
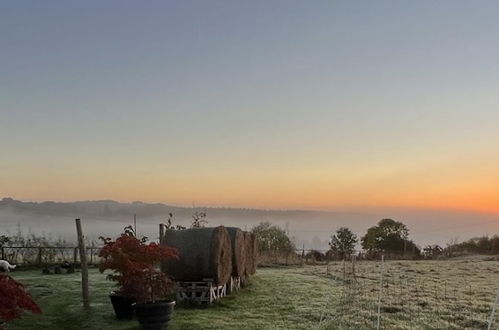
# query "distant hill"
(112, 208)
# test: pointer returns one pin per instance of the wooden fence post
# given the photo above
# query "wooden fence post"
(378, 323)
(135, 225)
(161, 233)
(328, 260)
(493, 313)
(353, 267)
(302, 255)
(40, 253)
(84, 267)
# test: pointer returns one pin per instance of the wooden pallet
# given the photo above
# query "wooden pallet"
(234, 284)
(205, 292)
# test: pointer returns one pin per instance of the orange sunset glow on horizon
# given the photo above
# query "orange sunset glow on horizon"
(467, 187)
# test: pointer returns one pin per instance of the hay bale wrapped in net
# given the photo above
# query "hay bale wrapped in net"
(251, 253)
(238, 251)
(204, 253)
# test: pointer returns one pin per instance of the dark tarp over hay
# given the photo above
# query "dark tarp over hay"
(238, 251)
(204, 253)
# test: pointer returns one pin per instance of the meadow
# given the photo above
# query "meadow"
(439, 294)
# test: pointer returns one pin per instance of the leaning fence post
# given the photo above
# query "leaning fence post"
(380, 291)
(84, 267)
(493, 313)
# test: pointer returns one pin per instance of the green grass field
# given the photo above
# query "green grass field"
(452, 294)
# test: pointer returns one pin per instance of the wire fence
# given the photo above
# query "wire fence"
(365, 294)
(410, 295)
(41, 256)
(313, 256)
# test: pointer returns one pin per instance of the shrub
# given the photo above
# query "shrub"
(482, 244)
(14, 300)
(133, 263)
(315, 255)
(169, 224)
(199, 220)
(4, 240)
(272, 239)
(432, 251)
(342, 243)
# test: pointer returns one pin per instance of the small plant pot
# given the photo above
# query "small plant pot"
(123, 306)
(154, 316)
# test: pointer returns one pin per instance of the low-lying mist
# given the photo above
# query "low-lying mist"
(310, 229)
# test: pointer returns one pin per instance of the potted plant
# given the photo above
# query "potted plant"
(14, 300)
(133, 263)
(151, 289)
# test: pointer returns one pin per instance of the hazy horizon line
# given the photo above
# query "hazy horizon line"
(366, 210)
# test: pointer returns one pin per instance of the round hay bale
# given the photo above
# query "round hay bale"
(238, 251)
(249, 243)
(204, 253)
(254, 253)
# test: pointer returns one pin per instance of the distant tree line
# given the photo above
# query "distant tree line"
(481, 245)
(388, 237)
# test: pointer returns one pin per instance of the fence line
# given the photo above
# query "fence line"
(407, 293)
(493, 313)
(46, 255)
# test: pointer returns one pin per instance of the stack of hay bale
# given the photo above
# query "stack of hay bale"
(217, 254)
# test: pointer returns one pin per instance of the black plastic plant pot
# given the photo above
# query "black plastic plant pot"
(154, 316)
(123, 306)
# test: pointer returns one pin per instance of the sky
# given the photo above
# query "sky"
(331, 105)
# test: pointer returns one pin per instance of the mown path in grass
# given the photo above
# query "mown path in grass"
(277, 298)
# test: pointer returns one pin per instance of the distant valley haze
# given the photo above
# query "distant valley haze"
(309, 228)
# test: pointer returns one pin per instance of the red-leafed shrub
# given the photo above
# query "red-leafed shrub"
(133, 263)
(14, 300)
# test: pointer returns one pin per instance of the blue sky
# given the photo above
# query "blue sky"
(284, 97)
